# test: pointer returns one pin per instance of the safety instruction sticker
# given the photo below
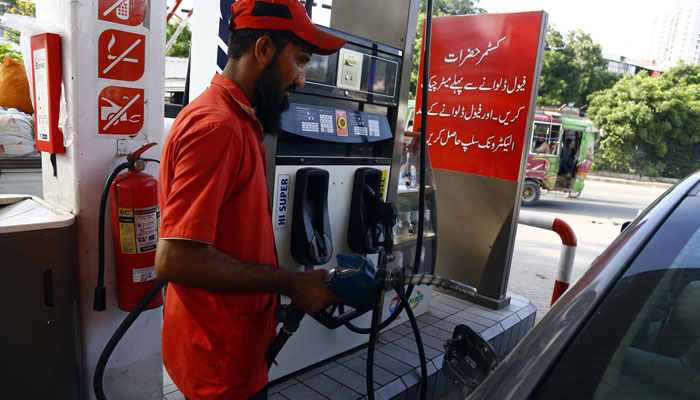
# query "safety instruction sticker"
(126, 231)
(146, 221)
(121, 110)
(121, 55)
(140, 275)
(41, 103)
(281, 201)
(138, 229)
(125, 12)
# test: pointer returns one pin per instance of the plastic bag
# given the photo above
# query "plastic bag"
(14, 86)
(16, 133)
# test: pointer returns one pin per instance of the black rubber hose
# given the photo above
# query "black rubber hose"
(373, 332)
(423, 130)
(421, 189)
(276, 346)
(100, 299)
(117, 336)
(419, 343)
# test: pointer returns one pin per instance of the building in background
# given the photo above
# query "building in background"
(623, 65)
(676, 34)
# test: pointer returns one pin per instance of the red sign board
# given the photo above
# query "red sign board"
(125, 12)
(120, 110)
(121, 55)
(482, 71)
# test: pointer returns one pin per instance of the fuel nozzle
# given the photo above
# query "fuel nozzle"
(356, 280)
(359, 282)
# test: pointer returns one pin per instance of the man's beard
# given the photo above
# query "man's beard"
(271, 99)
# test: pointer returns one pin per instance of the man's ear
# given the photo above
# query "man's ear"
(264, 50)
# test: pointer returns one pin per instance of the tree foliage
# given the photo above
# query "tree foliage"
(573, 67)
(650, 125)
(7, 49)
(440, 8)
(18, 7)
(181, 47)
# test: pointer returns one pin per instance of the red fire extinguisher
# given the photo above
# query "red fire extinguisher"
(135, 226)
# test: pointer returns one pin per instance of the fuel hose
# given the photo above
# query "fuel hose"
(117, 336)
(376, 327)
(100, 301)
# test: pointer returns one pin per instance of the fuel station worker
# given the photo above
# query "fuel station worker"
(217, 248)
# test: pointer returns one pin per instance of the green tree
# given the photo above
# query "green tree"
(572, 69)
(19, 7)
(440, 8)
(7, 49)
(181, 47)
(650, 124)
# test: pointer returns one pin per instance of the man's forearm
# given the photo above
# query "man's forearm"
(203, 266)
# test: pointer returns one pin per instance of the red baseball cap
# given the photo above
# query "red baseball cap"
(283, 15)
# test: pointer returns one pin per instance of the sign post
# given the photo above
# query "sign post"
(484, 71)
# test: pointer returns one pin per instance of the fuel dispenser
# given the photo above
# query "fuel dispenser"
(337, 139)
(333, 165)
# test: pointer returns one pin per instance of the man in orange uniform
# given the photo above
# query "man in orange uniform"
(217, 247)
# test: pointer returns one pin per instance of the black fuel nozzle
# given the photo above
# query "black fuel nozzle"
(289, 316)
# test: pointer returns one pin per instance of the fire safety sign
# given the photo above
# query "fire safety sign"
(125, 12)
(121, 55)
(120, 110)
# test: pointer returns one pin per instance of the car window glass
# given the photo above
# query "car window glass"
(643, 341)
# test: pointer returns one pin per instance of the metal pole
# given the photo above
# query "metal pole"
(568, 251)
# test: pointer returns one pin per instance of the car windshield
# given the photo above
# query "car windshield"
(643, 342)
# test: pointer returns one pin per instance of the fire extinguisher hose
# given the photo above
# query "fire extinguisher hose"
(100, 299)
(117, 336)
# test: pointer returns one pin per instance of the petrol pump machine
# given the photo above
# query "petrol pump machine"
(343, 127)
(337, 137)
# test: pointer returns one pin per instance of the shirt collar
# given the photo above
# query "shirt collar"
(237, 95)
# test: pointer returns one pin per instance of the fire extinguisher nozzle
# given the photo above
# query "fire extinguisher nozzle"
(100, 300)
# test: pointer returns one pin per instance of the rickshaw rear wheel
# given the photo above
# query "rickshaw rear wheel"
(531, 193)
(573, 193)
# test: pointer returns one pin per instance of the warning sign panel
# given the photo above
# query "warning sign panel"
(125, 12)
(121, 110)
(121, 55)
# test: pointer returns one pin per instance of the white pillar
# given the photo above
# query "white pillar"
(135, 368)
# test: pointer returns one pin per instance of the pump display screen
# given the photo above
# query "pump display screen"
(365, 73)
(379, 75)
(321, 69)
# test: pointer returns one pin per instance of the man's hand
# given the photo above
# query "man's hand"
(311, 294)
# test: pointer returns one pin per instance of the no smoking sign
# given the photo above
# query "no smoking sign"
(121, 55)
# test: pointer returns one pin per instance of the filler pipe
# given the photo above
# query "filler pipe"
(568, 251)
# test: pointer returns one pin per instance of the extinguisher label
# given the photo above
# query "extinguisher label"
(146, 222)
(138, 229)
(144, 274)
(127, 236)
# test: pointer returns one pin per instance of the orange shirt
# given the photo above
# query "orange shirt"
(213, 189)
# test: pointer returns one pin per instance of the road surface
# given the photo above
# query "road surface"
(596, 217)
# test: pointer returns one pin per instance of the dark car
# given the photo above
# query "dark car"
(630, 327)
